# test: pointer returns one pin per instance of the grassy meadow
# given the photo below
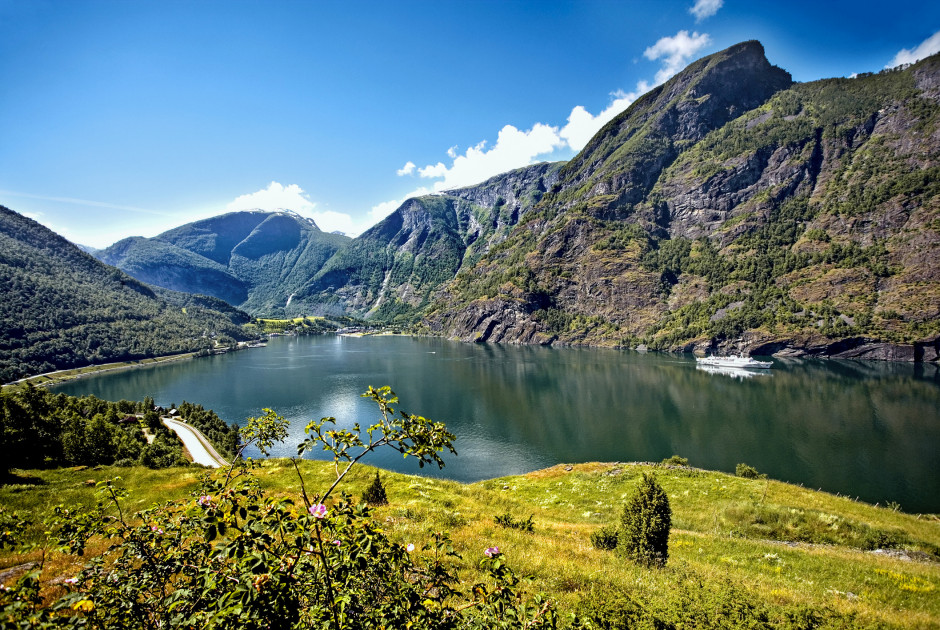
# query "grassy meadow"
(742, 552)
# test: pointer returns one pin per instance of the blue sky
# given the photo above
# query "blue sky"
(122, 118)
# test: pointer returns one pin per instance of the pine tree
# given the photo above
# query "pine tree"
(644, 524)
(375, 493)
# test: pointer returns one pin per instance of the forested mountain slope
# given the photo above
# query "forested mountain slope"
(254, 260)
(729, 207)
(61, 308)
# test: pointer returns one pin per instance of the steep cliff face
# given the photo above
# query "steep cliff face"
(392, 271)
(730, 208)
(622, 162)
(498, 204)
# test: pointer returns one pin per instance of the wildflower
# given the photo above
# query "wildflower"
(410, 547)
(85, 605)
(205, 500)
(156, 529)
(338, 543)
(71, 580)
(318, 510)
(491, 551)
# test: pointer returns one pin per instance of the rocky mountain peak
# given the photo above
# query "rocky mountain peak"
(626, 157)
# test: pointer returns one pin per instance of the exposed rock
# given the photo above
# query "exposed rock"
(813, 207)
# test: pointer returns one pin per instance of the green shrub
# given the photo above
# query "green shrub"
(375, 493)
(748, 472)
(675, 460)
(605, 538)
(507, 520)
(645, 523)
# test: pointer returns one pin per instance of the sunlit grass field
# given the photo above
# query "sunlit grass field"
(734, 542)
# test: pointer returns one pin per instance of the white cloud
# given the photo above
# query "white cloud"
(332, 221)
(582, 125)
(407, 169)
(928, 47)
(292, 197)
(675, 51)
(275, 197)
(382, 210)
(705, 8)
(513, 148)
(436, 170)
(516, 148)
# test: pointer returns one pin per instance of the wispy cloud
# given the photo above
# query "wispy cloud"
(928, 47)
(84, 202)
(705, 9)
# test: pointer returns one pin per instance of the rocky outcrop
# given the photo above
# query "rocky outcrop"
(624, 160)
(497, 321)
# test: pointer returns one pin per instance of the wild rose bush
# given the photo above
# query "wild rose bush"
(235, 557)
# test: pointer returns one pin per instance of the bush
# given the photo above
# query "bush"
(237, 556)
(748, 472)
(375, 493)
(605, 538)
(506, 520)
(675, 460)
(645, 523)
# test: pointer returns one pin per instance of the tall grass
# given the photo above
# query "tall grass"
(742, 552)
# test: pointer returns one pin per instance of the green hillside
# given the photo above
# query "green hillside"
(288, 543)
(742, 552)
(61, 308)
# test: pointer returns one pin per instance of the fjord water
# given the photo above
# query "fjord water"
(862, 429)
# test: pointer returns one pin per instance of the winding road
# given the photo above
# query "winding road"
(196, 443)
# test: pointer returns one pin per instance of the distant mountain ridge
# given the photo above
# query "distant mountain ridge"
(393, 270)
(251, 259)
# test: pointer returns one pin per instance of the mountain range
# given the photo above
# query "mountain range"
(727, 209)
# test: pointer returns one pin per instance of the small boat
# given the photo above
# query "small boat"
(733, 361)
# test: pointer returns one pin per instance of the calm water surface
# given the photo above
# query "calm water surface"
(864, 429)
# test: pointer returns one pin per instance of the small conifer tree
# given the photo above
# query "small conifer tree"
(644, 524)
(375, 493)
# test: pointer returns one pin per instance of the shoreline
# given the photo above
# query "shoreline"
(62, 376)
